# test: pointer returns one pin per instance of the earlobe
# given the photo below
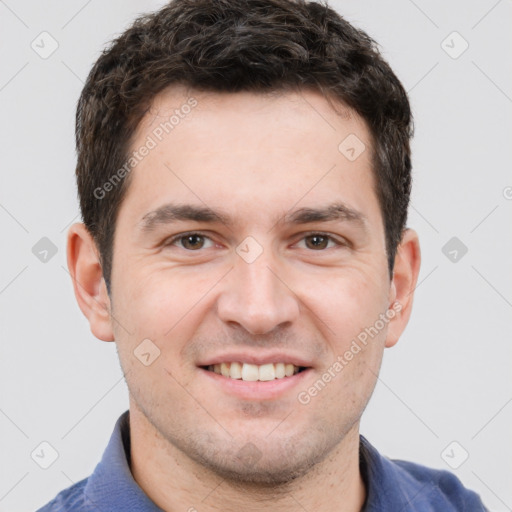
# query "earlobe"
(88, 283)
(405, 278)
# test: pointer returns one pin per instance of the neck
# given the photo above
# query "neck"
(174, 481)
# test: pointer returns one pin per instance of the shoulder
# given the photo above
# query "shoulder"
(72, 498)
(402, 485)
(439, 488)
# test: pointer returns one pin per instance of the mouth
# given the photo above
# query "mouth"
(262, 376)
(249, 372)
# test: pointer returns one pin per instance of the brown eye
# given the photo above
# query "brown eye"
(317, 242)
(192, 242)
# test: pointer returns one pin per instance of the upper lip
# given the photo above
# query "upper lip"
(258, 359)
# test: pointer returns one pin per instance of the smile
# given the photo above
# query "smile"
(253, 372)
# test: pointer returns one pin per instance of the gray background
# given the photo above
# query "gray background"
(449, 377)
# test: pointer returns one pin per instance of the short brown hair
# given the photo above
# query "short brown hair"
(231, 46)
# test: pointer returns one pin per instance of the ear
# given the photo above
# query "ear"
(88, 283)
(405, 277)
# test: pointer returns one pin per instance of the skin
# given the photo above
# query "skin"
(256, 158)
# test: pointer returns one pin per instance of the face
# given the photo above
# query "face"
(248, 240)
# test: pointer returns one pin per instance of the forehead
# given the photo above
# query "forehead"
(224, 118)
(242, 149)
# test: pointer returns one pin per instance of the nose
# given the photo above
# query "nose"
(256, 297)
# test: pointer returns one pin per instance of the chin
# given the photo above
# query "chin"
(261, 475)
(273, 465)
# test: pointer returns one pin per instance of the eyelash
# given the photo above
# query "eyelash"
(181, 236)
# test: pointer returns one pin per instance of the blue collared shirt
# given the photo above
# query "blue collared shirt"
(391, 486)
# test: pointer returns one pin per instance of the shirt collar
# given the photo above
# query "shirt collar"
(389, 486)
(111, 487)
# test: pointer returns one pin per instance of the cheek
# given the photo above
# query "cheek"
(348, 308)
(162, 304)
(357, 380)
(347, 302)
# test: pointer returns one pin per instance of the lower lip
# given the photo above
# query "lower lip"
(257, 390)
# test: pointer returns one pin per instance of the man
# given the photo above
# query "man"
(244, 176)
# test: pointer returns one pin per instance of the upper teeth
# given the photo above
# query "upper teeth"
(253, 372)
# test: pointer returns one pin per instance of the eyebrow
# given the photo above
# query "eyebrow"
(336, 211)
(169, 213)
